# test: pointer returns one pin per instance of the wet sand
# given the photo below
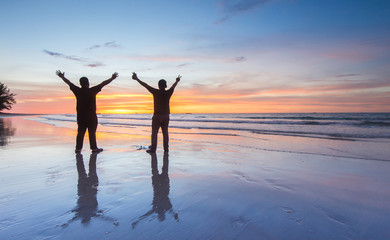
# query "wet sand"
(200, 190)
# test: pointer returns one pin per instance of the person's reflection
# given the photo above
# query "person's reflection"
(161, 203)
(6, 131)
(86, 190)
(87, 187)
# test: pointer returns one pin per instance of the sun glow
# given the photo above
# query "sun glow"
(209, 101)
(119, 111)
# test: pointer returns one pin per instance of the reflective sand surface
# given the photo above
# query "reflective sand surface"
(200, 190)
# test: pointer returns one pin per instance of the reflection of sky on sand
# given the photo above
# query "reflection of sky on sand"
(6, 131)
(29, 130)
(218, 191)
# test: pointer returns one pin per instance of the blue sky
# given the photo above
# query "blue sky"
(240, 56)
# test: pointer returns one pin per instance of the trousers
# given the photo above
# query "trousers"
(89, 122)
(160, 120)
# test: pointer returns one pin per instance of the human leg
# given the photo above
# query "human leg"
(155, 128)
(92, 126)
(80, 136)
(164, 129)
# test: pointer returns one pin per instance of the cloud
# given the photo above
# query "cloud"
(94, 46)
(237, 59)
(93, 65)
(231, 8)
(343, 89)
(238, 6)
(111, 44)
(221, 20)
(56, 54)
(348, 75)
(161, 58)
(73, 58)
(367, 84)
(183, 64)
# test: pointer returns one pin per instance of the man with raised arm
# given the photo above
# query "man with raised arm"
(161, 98)
(86, 109)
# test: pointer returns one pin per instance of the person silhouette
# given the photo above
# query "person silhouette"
(86, 109)
(161, 98)
(161, 203)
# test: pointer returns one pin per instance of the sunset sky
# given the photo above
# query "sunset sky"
(234, 56)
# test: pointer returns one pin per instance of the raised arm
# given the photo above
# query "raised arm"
(177, 81)
(105, 82)
(135, 77)
(62, 76)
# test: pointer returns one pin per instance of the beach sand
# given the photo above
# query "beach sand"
(201, 190)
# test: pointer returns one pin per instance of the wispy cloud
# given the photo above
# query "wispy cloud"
(74, 58)
(231, 8)
(160, 58)
(368, 84)
(237, 59)
(344, 89)
(111, 44)
(95, 65)
(94, 47)
(348, 75)
(183, 64)
(61, 55)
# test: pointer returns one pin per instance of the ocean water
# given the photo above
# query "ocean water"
(349, 135)
(342, 126)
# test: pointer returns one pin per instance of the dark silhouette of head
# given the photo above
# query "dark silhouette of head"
(84, 82)
(162, 84)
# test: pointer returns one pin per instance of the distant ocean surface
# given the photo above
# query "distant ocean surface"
(341, 126)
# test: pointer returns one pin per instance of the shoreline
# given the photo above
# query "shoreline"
(5, 115)
(207, 190)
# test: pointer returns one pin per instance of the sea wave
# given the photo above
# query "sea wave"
(334, 126)
(232, 121)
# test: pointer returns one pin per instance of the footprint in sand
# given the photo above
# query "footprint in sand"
(291, 214)
(276, 185)
(239, 222)
(243, 177)
(334, 216)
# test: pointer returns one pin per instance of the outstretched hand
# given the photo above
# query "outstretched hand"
(135, 77)
(178, 78)
(60, 74)
(114, 75)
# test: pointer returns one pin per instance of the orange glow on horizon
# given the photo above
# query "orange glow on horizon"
(119, 111)
(192, 101)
